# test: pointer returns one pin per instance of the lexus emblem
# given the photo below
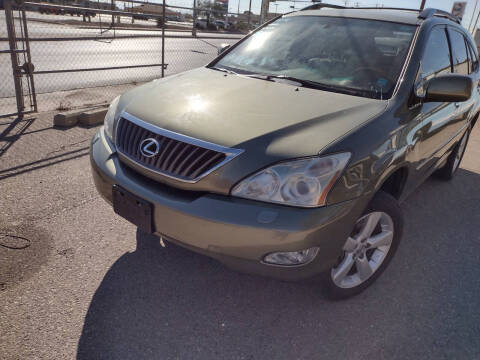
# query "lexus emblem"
(149, 147)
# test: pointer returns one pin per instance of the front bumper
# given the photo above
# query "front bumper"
(237, 232)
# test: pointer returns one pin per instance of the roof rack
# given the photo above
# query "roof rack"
(383, 8)
(320, 6)
(331, 6)
(424, 14)
(430, 12)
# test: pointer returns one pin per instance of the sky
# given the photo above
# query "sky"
(284, 6)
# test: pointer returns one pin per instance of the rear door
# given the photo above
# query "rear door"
(474, 72)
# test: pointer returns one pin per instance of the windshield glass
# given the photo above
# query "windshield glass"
(360, 57)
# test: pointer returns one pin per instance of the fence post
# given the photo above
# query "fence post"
(28, 67)
(163, 39)
(12, 41)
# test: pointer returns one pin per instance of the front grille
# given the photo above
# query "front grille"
(178, 156)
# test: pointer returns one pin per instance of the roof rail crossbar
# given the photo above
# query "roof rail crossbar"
(321, 6)
(383, 8)
(331, 6)
(430, 12)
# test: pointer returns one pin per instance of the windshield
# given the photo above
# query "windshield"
(360, 57)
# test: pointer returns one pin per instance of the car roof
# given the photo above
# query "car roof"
(399, 16)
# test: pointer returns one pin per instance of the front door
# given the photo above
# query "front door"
(433, 119)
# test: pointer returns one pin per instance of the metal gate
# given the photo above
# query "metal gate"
(19, 50)
(103, 47)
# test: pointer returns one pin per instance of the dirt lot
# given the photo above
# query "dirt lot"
(78, 281)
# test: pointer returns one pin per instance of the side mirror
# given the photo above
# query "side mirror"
(222, 48)
(449, 88)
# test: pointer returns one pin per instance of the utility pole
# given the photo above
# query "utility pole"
(112, 6)
(249, 12)
(422, 5)
(194, 28)
(264, 11)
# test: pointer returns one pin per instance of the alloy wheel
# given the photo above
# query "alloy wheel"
(365, 250)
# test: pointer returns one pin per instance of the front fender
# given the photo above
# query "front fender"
(367, 175)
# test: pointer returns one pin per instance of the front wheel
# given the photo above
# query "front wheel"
(368, 250)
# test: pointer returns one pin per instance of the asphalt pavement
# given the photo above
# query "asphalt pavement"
(83, 283)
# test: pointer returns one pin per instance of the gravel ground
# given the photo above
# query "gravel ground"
(84, 283)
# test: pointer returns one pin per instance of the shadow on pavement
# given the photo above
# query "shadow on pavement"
(169, 303)
(11, 132)
(45, 162)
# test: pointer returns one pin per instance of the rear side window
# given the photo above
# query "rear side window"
(473, 59)
(459, 52)
(436, 57)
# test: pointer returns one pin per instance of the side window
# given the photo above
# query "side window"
(435, 59)
(473, 58)
(459, 52)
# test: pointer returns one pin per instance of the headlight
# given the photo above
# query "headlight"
(302, 182)
(110, 118)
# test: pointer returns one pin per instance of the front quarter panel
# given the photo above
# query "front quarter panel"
(377, 149)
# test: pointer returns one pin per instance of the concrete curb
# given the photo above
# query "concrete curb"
(81, 117)
(66, 119)
(92, 117)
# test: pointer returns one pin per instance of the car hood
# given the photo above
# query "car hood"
(271, 121)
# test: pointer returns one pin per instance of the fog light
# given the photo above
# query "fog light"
(291, 258)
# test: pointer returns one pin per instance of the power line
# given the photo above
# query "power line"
(475, 26)
(473, 16)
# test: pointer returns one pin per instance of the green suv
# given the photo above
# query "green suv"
(288, 155)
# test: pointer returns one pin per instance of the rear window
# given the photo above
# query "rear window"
(473, 59)
(459, 52)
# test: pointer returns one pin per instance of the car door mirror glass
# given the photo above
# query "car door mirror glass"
(448, 88)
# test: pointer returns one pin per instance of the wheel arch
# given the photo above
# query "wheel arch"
(474, 119)
(394, 182)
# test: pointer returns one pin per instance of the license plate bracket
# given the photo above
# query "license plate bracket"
(133, 208)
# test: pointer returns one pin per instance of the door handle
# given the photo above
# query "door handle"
(457, 105)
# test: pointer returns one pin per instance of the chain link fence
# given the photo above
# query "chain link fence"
(97, 46)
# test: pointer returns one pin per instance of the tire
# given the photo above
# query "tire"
(447, 172)
(390, 218)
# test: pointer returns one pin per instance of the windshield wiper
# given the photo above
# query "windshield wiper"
(224, 70)
(267, 77)
(314, 85)
(302, 82)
